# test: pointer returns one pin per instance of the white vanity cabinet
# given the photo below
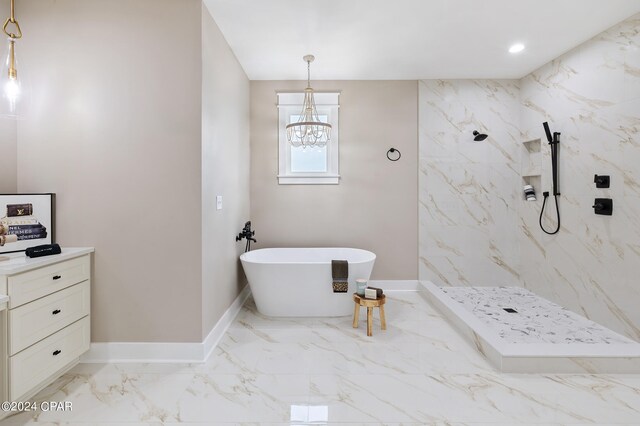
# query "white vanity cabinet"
(45, 325)
(4, 383)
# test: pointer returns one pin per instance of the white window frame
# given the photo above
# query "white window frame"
(290, 103)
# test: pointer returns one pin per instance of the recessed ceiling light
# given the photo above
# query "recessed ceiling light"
(518, 47)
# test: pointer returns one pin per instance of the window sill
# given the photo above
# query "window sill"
(309, 180)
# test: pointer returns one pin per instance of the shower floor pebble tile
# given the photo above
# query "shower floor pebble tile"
(537, 320)
(420, 371)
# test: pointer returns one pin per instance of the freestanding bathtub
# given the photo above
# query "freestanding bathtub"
(297, 282)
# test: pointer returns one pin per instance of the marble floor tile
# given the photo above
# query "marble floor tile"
(242, 398)
(269, 371)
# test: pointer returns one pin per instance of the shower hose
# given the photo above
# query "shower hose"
(544, 201)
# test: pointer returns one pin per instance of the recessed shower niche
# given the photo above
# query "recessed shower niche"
(531, 164)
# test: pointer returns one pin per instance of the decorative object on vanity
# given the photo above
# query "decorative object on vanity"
(602, 181)
(340, 275)
(28, 221)
(529, 193)
(43, 250)
(554, 141)
(248, 234)
(309, 130)
(393, 154)
(361, 286)
(369, 304)
(14, 88)
(478, 137)
(603, 206)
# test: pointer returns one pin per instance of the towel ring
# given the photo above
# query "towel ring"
(392, 151)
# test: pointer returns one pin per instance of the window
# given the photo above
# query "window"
(311, 165)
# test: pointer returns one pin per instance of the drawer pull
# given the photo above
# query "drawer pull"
(57, 352)
(57, 277)
(56, 312)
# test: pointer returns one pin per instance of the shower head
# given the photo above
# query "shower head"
(547, 131)
(479, 136)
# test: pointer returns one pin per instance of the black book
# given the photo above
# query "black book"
(25, 226)
(33, 236)
(43, 250)
(28, 230)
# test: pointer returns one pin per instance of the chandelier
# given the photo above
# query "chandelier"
(12, 87)
(308, 130)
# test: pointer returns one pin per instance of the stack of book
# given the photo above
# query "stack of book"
(19, 221)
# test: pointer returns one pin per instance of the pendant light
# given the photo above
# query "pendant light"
(12, 86)
(309, 130)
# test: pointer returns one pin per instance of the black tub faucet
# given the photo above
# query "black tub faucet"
(248, 234)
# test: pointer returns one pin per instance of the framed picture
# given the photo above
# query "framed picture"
(26, 220)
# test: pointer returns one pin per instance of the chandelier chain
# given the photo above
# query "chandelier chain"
(12, 20)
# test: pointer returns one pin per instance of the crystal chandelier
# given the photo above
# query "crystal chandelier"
(308, 130)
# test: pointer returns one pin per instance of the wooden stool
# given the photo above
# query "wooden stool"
(370, 304)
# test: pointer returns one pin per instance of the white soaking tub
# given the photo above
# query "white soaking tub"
(297, 282)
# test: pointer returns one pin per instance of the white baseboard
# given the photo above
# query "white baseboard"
(211, 341)
(143, 352)
(396, 285)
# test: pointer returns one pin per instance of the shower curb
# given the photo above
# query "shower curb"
(533, 357)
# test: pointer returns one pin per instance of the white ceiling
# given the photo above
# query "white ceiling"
(408, 39)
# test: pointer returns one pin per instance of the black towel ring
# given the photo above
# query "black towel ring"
(391, 151)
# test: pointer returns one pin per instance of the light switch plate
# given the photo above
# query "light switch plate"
(219, 202)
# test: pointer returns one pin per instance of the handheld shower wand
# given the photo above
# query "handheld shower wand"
(554, 141)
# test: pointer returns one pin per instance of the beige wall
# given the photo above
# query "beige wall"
(116, 133)
(8, 148)
(8, 139)
(375, 206)
(225, 171)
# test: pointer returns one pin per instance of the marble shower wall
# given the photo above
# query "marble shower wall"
(475, 227)
(592, 95)
(468, 191)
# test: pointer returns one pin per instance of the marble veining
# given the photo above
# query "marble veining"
(321, 370)
(536, 320)
(468, 190)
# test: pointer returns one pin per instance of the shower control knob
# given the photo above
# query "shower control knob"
(602, 181)
(603, 206)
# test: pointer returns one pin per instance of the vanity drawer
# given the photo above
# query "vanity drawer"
(35, 364)
(32, 285)
(34, 321)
